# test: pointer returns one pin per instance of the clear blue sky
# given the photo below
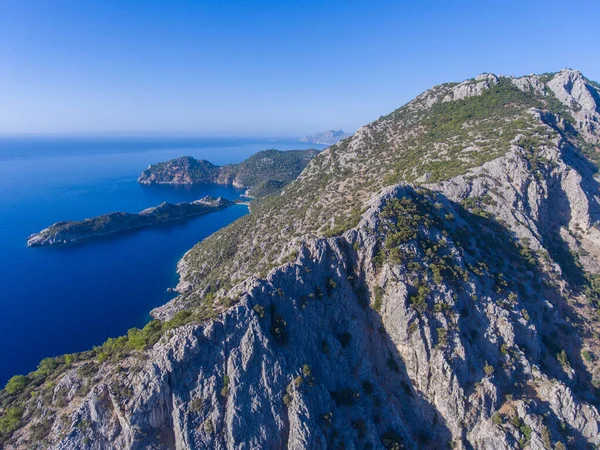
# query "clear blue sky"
(262, 67)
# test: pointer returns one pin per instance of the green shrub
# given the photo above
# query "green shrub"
(292, 256)
(260, 310)
(225, 389)
(527, 431)
(378, 298)
(563, 359)
(179, 319)
(488, 369)
(306, 370)
(287, 399)
(442, 334)
(86, 370)
(208, 427)
(196, 404)
(298, 381)
(497, 419)
(46, 367)
(515, 421)
(16, 384)
(546, 438)
(136, 339)
(11, 420)
(419, 300)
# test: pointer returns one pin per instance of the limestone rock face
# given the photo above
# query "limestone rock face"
(332, 341)
(413, 288)
(471, 88)
(582, 99)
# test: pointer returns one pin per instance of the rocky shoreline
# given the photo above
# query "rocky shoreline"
(73, 231)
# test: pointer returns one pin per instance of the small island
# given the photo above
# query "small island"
(74, 231)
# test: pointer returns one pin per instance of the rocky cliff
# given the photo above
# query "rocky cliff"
(329, 137)
(262, 174)
(74, 231)
(431, 282)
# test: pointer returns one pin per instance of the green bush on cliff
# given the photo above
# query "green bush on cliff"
(135, 339)
(16, 384)
(179, 319)
(46, 367)
(10, 421)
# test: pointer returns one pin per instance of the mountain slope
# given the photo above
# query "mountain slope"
(431, 282)
(262, 174)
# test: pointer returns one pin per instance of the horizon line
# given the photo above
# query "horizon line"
(159, 134)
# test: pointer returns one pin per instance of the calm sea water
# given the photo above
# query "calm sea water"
(56, 300)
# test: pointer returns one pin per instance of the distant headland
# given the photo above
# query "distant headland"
(261, 174)
(329, 137)
(74, 231)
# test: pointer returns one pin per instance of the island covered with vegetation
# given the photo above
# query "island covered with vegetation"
(73, 231)
(261, 174)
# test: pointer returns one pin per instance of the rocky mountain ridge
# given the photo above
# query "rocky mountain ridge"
(262, 174)
(431, 282)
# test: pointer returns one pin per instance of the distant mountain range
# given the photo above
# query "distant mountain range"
(329, 137)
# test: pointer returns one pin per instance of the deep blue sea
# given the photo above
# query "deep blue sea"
(56, 300)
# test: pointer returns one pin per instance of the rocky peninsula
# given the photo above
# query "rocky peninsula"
(74, 231)
(262, 174)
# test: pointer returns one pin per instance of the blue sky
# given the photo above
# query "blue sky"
(262, 67)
